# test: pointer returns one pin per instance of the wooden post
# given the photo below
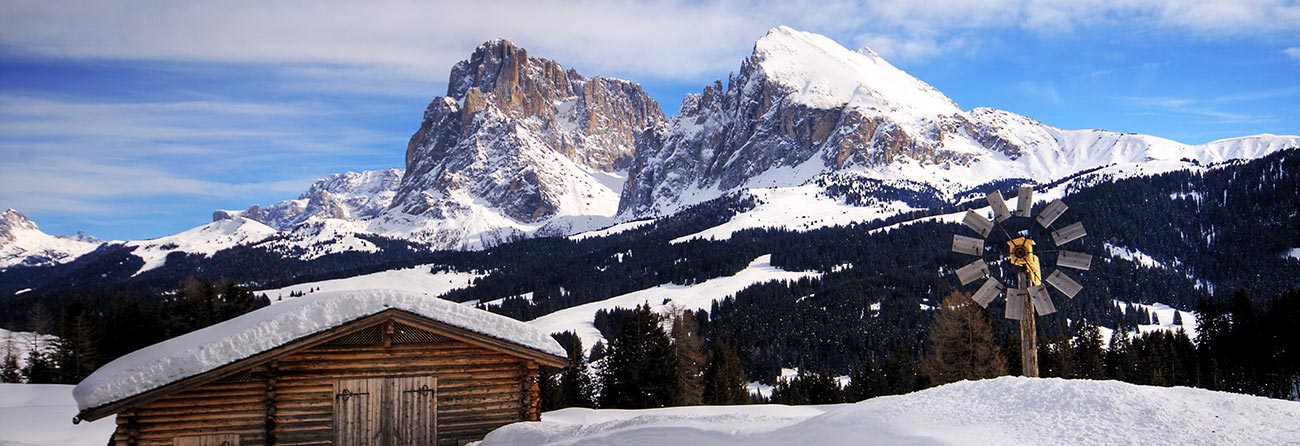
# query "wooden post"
(272, 379)
(534, 394)
(1028, 331)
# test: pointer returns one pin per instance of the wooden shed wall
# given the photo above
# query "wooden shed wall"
(478, 390)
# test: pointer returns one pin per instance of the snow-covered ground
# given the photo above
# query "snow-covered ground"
(664, 297)
(1293, 253)
(801, 208)
(1002, 411)
(1133, 255)
(1165, 320)
(621, 227)
(41, 415)
(416, 279)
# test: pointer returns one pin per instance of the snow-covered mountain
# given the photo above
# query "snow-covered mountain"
(23, 243)
(346, 196)
(802, 106)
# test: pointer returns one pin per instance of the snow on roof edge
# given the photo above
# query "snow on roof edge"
(237, 339)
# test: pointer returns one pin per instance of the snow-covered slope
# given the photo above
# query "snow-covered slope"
(205, 240)
(663, 298)
(41, 415)
(23, 243)
(1002, 411)
(416, 279)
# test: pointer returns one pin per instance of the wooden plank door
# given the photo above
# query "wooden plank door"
(208, 440)
(415, 408)
(358, 412)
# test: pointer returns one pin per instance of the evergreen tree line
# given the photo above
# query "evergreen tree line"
(646, 366)
(91, 333)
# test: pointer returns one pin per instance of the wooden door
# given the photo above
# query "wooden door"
(386, 411)
(208, 440)
(415, 407)
(358, 412)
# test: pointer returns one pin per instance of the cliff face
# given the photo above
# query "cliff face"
(523, 135)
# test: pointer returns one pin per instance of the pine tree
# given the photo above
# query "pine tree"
(1088, 352)
(640, 371)
(575, 383)
(901, 372)
(962, 343)
(724, 378)
(866, 381)
(1119, 359)
(76, 352)
(9, 371)
(689, 354)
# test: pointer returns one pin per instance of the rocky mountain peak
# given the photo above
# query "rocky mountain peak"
(525, 136)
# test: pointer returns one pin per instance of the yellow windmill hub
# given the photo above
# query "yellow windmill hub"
(1022, 255)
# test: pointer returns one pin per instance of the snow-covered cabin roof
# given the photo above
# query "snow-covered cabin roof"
(240, 338)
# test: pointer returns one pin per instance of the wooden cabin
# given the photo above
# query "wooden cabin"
(379, 368)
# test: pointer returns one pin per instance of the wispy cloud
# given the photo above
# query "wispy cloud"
(89, 156)
(1040, 91)
(1212, 107)
(679, 39)
(1293, 53)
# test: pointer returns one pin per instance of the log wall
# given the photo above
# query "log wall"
(291, 400)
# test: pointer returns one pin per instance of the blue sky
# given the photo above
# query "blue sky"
(133, 120)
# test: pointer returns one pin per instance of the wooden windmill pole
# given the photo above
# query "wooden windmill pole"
(1028, 331)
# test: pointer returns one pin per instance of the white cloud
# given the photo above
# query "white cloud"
(1292, 52)
(340, 40)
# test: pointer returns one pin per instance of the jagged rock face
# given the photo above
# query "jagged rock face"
(799, 98)
(346, 196)
(522, 135)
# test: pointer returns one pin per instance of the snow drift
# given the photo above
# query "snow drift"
(1002, 411)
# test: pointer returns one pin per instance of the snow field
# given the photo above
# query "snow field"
(1001, 411)
(41, 415)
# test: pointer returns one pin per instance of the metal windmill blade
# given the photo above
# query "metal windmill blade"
(1071, 259)
(1042, 302)
(967, 245)
(989, 291)
(1064, 284)
(974, 270)
(1050, 213)
(1068, 234)
(1025, 201)
(999, 205)
(1015, 304)
(977, 223)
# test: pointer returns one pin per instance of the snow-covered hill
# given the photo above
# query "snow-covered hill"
(23, 243)
(1002, 411)
(665, 298)
(205, 240)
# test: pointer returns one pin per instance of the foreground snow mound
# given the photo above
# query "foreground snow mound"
(269, 327)
(1002, 411)
(41, 415)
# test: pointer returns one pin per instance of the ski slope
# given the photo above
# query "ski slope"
(1001, 411)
